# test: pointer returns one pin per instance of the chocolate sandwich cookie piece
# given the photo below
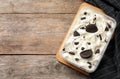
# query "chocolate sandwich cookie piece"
(91, 28)
(106, 29)
(76, 43)
(99, 36)
(76, 48)
(97, 51)
(90, 64)
(76, 59)
(94, 19)
(108, 25)
(71, 53)
(82, 48)
(63, 49)
(88, 43)
(83, 18)
(76, 33)
(85, 13)
(82, 28)
(83, 36)
(86, 54)
(105, 40)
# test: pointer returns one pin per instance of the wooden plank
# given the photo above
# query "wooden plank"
(35, 67)
(39, 6)
(33, 33)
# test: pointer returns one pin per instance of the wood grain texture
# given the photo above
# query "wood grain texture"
(35, 67)
(39, 6)
(33, 33)
(35, 27)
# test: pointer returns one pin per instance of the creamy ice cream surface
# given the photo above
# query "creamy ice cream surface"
(87, 39)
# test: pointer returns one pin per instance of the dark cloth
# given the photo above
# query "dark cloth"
(109, 67)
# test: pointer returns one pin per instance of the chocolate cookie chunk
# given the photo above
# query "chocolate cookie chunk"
(83, 18)
(97, 51)
(63, 49)
(105, 40)
(85, 13)
(91, 28)
(94, 19)
(71, 53)
(90, 65)
(86, 54)
(83, 36)
(82, 48)
(100, 36)
(109, 25)
(82, 28)
(76, 43)
(106, 29)
(76, 33)
(88, 43)
(76, 48)
(76, 59)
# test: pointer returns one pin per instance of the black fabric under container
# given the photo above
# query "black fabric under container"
(109, 67)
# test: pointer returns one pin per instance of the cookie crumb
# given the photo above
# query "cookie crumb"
(109, 25)
(76, 43)
(82, 28)
(88, 43)
(85, 13)
(82, 48)
(76, 59)
(83, 18)
(97, 51)
(76, 33)
(106, 29)
(63, 49)
(90, 65)
(71, 53)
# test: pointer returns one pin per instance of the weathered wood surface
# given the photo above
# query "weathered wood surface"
(33, 33)
(39, 6)
(35, 67)
(35, 27)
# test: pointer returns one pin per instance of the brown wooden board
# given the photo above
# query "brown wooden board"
(59, 58)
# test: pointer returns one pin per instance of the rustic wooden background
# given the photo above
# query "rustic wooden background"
(31, 32)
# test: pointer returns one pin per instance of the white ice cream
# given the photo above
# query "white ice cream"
(87, 40)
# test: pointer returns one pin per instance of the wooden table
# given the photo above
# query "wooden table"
(31, 32)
